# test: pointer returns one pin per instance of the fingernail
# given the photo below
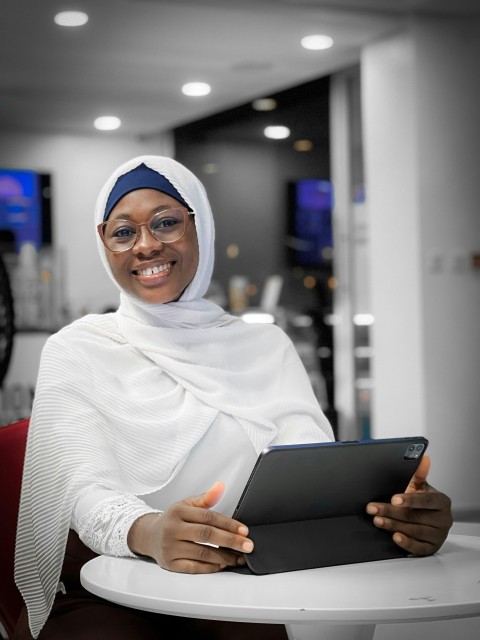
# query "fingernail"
(396, 500)
(372, 509)
(247, 546)
(243, 530)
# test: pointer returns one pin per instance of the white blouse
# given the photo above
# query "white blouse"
(102, 517)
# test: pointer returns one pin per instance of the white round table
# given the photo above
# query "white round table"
(334, 603)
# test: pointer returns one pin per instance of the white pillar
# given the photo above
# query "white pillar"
(420, 105)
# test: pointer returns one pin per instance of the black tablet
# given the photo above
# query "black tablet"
(305, 504)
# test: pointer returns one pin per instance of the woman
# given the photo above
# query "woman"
(166, 398)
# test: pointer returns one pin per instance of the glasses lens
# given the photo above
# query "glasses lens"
(119, 235)
(168, 225)
(165, 226)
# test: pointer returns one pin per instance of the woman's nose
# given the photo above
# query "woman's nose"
(146, 241)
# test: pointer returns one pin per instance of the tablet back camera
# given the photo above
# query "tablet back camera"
(414, 451)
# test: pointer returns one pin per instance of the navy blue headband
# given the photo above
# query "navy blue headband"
(142, 177)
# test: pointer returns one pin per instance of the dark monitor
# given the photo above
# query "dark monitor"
(25, 210)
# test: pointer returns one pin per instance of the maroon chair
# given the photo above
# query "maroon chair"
(13, 438)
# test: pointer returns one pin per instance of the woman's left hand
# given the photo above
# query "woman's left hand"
(420, 518)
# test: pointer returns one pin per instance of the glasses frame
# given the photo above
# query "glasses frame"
(100, 228)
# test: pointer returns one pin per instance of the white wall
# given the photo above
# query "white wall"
(420, 103)
(78, 166)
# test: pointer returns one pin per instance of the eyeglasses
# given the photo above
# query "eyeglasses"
(165, 226)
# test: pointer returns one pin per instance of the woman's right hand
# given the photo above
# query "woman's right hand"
(191, 538)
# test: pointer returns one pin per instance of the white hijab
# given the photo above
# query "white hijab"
(179, 364)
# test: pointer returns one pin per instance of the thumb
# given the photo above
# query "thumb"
(419, 478)
(209, 498)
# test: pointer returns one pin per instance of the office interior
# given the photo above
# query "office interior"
(397, 135)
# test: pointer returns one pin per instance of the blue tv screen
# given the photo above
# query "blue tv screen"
(310, 232)
(25, 207)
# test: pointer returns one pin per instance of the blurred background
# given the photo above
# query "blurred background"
(354, 223)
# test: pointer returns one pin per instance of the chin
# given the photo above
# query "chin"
(156, 297)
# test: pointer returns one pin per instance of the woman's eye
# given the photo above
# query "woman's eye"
(164, 224)
(123, 232)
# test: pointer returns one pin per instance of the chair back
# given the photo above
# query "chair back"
(13, 438)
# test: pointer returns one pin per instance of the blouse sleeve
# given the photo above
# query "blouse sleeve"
(102, 519)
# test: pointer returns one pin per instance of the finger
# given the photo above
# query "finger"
(205, 502)
(207, 532)
(428, 499)
(187, 565)
(194, 524)
(398, 519)
(419, 531)
(415, 546)
(210, 525)
(425, 505)
(418, 538)
(199, 558)
(419, 478)
(208, 499)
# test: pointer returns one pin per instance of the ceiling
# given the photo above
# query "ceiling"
(133, 56)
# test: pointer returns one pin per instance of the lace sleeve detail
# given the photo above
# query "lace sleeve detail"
(104, 528)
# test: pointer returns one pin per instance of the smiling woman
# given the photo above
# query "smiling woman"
(147, 422)
(146, 406)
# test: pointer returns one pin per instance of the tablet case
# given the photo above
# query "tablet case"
(304, 505)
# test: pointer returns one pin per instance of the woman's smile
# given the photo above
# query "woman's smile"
(146, 272)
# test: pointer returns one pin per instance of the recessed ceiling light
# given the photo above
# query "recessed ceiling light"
(264, 104)
(71, 18)
(196, 89)
(107, 123)
(303, 145)
(276, 132)
(317, 42)
(232, 251)
(363, 319)
(210, 167)
(309, 282)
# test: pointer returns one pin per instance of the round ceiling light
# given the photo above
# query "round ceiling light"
(264, 104)
(71, 18)
(107, 123)
(303, 145)
(196, 89)
(317, 42)
(276, 132)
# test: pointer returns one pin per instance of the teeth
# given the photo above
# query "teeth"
(152, 270)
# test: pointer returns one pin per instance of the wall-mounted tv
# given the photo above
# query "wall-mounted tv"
(25, 209)
(309, 223)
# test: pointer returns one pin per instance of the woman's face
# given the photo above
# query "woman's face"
(175, 262)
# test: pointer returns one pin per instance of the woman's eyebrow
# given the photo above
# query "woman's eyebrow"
(120, 216)
(130, 216)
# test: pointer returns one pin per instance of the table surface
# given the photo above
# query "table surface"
(445, 585)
